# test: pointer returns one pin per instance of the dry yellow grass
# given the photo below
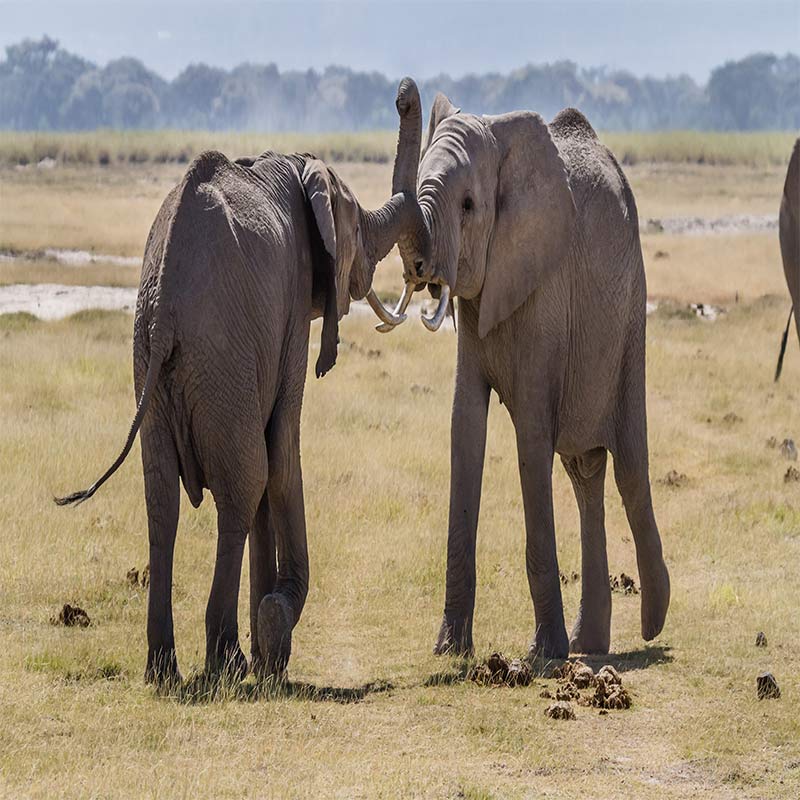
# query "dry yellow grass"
(78, 720)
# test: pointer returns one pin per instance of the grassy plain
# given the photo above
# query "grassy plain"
(106, 147)
(370, 712)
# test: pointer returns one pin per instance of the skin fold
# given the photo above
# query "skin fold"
(241, 256)
(789, 230)
(534, 228)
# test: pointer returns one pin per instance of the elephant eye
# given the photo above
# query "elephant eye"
(467, 204)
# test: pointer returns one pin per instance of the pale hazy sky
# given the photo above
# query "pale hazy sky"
(653, 37)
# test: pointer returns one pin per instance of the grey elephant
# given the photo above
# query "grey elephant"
(241, 256)
(789, 232)
(534, 228)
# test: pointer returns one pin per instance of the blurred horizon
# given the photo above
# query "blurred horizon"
(649, 38)
(334, 66)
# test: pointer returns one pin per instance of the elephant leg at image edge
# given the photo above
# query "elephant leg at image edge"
(280, 610)
(162, 497)
(592, 630)
(467, 449)
(535, 454)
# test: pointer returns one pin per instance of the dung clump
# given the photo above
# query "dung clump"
(498, 670)
(565, 579)
(560, 710)
(623, 583)
(675, 479)
(767, 687)
(789, 450)
(71, 617)
(578, 682)
(135, 579)
(609, 694)
(792, 475)
(761, 639)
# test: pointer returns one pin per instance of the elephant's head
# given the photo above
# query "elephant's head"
(497, 213)
(352, 240)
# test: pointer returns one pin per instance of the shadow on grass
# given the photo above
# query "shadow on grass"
(629, 660)
(200, 689)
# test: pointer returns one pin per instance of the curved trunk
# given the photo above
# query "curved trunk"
(406, 162)
(381, 228)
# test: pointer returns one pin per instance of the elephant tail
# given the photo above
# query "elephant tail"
(157, 358)
(782, 352)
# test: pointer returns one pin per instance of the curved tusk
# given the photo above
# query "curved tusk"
(435, 322)
(382, 312)
(399, 309)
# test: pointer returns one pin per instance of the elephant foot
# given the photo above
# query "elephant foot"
(590, 638)
(591, 633)
(274, 631)
(162, 668)
(227, 662)
(549, 641)
(655, 601)
(455, 637)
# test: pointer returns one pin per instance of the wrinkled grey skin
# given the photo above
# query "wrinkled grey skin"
(240, 258)
(789, 230)
(534, 228)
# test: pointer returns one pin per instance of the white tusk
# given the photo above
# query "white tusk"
(382, 312)
(435, 322)
(399, 309)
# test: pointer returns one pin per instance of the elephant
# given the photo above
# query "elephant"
(534, 228)
(241, 256)
(789, 232)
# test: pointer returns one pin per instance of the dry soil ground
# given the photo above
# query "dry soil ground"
(370, 712)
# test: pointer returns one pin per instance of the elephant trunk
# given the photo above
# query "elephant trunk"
(382, 227)
(406, 162)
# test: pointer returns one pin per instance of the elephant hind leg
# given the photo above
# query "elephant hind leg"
(162, 496)
(237, 502)
(592, 630)
(633, 482)
(280, 610)
(263, 571)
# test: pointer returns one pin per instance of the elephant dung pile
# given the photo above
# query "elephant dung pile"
(498, 670)
(624, 584)
(71, 617)
(577, 681)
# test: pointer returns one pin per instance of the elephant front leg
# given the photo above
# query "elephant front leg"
(467, 449)
(535, 454)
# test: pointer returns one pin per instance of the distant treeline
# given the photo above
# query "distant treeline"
(44, 88)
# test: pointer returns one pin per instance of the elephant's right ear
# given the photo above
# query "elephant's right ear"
(534, 217)
(317, 185)
(441, 109)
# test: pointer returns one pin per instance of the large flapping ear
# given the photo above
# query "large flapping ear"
(317, 185)
(441, 109)
(535, 216)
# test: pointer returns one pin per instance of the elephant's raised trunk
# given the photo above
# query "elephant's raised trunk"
(414, 239)
(406, 162)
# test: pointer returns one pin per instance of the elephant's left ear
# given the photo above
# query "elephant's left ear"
(535, 216)
(317, 185)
